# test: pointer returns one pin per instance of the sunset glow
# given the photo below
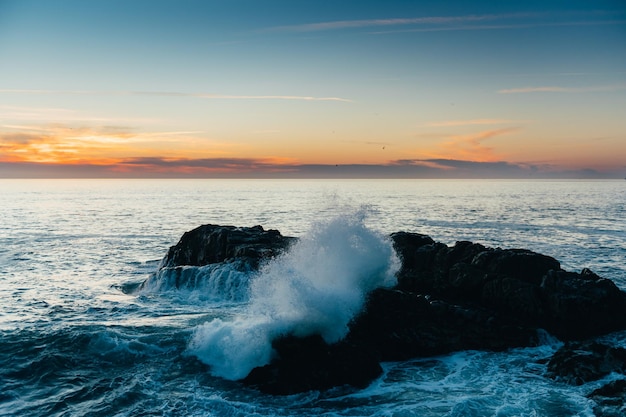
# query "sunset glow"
(258, 89)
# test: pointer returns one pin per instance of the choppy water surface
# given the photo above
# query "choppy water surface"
(73, 343)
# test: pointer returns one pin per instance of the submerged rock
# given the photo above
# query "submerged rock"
(610, 399)
(446, 299)
(579, 362)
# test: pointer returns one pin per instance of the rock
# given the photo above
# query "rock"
(579, 362)
(519, 284)
(580, 306)
(612, 389)
(610, 399)
(309, 363)
(395, 325)
(398, 325)
(209, 244)
(447, 299)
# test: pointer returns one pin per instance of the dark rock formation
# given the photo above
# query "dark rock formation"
(610, 399)
(579, 362)
(209, 244)
(515, 284)
(399, 325)
(309, 363)
(447, 299)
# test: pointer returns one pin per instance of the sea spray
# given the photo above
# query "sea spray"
(224, 281)
(317, 287)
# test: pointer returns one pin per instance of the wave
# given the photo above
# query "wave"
(316, 287)
(79, 370)
(227, 281)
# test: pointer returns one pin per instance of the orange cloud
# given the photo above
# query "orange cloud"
(72, 145)
(471, 146)
(122, 150)
(59, 144)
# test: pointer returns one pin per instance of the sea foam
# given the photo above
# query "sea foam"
(316, 287)
(225, 281)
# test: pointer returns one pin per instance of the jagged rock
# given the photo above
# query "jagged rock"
(209, 244)
(524, 286)
(579, 362)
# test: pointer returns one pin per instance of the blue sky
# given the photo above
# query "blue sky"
(141, 88)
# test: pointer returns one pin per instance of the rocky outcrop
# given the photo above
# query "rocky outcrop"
(399, 325)
(514, 284)
(210, 244)
(396, 325)
(579, 362)
(447, 299)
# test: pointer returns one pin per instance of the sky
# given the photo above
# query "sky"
(321, 89)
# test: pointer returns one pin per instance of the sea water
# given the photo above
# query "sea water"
(78, 337)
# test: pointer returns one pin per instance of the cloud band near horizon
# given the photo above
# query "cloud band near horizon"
(250, 168)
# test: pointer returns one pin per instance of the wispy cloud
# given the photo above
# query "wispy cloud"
(558, 89)
(227, 164)
(463, 165)
(368, 23)
(464, 22)
(472, 122)
(174, 94)
(496, 26)
(58, 115)
(301, 98)
(63, 144)
(471, 146)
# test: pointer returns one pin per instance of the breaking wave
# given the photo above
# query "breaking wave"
(316, 287)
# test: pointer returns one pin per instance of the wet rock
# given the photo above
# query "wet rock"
(579, 362)
(309, 363)
(398, 325)
(447, 299)
(610, 399)
(516, 284)
(209, 244)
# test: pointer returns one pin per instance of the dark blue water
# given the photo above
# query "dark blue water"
(76, 340)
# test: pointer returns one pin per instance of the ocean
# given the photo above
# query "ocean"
(77, 337)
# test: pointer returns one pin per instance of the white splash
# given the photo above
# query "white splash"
(315, 288)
